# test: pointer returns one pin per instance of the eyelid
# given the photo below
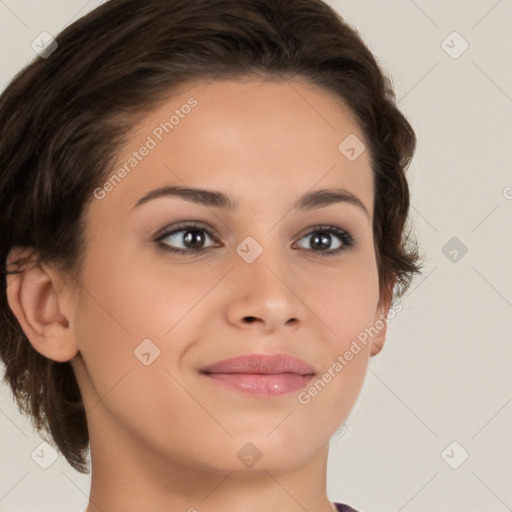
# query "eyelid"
(170, 229)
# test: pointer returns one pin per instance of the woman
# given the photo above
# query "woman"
(204, 208)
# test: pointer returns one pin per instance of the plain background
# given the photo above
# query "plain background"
(445, 372)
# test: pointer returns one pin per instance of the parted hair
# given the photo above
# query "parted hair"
(64, 118)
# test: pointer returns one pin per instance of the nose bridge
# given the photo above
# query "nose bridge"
(265, 273)
(262, 287)
(262, 260)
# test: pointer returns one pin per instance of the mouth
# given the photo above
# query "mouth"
(260, 374)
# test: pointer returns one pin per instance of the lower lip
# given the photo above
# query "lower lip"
(262, 385)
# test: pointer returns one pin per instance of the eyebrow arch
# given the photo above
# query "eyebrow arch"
(215, 199)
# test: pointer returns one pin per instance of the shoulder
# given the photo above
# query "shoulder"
(344, 508)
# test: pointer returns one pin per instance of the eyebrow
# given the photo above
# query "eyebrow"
(215, 199)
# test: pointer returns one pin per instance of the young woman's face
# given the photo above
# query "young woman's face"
(262, 277)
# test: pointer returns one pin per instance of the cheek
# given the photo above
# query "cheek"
(141, 296)
(344, 299)
(122, 308)
(127, 304)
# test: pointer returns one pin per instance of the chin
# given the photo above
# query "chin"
(257, 455)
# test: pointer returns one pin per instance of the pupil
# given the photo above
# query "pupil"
(319, 240)
(193, 238)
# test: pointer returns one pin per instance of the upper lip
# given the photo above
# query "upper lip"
(260, 364)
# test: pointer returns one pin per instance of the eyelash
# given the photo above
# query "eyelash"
(346, 238)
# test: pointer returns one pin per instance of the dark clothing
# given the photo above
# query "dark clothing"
(344, 508)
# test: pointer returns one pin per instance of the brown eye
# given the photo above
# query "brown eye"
(191, 237)
(321, 240)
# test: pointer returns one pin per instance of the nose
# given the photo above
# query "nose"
(265, 295)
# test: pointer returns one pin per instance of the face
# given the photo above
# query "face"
(175, 283)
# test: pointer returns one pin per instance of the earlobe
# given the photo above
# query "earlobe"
(379, 339)
(381, 324)
(34, 299)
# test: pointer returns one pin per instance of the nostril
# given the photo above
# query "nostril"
(250, 319)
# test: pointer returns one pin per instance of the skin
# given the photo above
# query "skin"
(162, 436)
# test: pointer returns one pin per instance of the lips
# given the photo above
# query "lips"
(260, 375)
(261, 364)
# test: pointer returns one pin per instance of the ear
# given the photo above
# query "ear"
(36, 296)
(381, 316)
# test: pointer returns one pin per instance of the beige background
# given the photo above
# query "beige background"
(445, 373)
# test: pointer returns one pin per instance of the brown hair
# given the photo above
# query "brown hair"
(64, 118)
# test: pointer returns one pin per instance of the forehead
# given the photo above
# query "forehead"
(256, 140)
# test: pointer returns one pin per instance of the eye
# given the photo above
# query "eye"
(194, 236)
(321, 238)
(191, 236)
